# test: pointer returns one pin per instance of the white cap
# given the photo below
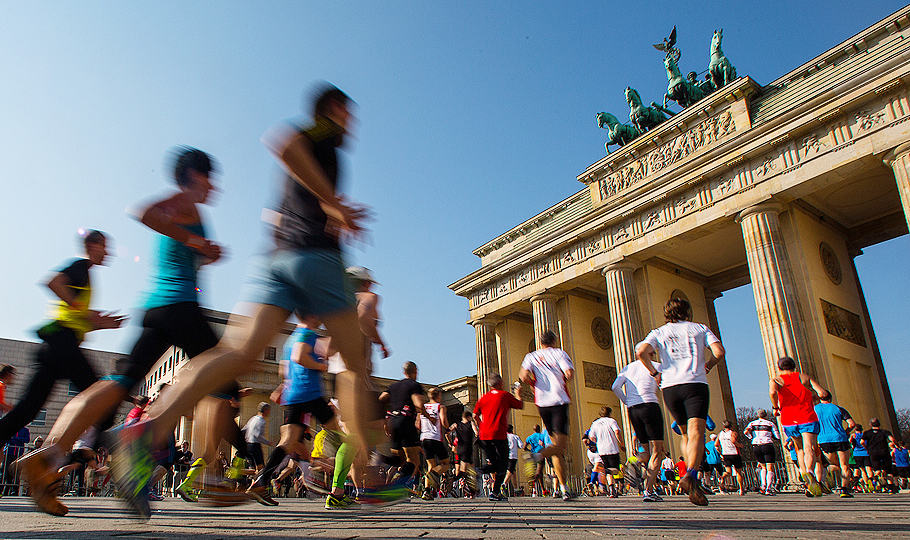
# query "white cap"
(361, 273)
(713, 436)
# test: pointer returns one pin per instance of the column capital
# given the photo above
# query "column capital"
(712, 295)
(491, 320)
(764, 208)
(544, 296)
(892, 155)
(622, 264)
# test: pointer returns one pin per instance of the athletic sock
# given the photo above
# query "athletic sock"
(195, 470)
(769, 480)
(343, 459)
(761, 478)
(275, 459)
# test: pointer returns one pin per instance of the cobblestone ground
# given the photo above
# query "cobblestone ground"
(752, 516)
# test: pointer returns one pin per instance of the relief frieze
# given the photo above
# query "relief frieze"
(680, 147)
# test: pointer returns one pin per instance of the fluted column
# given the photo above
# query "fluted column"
(625, 321)
(899, 161)
(487, 353)
(544, 308)
(782, 328)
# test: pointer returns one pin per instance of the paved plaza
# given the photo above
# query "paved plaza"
(732, 516)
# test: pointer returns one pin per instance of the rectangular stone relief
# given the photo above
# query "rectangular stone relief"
(598, 376)
(843, 324)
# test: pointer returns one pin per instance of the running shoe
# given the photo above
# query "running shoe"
(568, 495)
(132, 464)
(185, 491)
(261, 494)
(43, 481)
(155, 497)
(386, 495)
(824, 487)
(530, 465)
(846, 495)
(651, 497)
(334, 503)
(693, 488)
(222, 494)
(812, 486)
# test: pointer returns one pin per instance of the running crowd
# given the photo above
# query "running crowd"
(374, 439)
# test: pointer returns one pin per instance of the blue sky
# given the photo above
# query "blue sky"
(473, 116)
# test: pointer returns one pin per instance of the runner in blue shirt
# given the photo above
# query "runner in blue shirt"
(834, 441)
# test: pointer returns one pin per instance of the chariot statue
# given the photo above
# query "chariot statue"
(619, 134)
(644, 118)
(721, 70)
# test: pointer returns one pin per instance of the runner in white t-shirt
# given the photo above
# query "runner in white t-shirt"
(549, 370)
(681, 345)
(515, 446)
(637, 389)
(606, 434)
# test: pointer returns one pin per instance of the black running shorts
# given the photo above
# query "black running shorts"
(610, 461)
(832, 447)
(685, 401)
(764, 453)
(465, 454)
(555, 418)
(734, 460)
(403, 432)
(513, 463)
(881, 463)
(647, 422)
(319, 408)
(434, 449)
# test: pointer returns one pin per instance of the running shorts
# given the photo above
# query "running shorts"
(647, 422)
(513, 463)
(305, 280)
(832, 447)
(465, 455)
(903, 472)
(796, 430)
(610, 461)
(734, 460)
(182, 325)
(881, 463)
(686, 401)
(403, 432)
(862, 461)
(764, 453)
(434, 449)
(555, 418)
(319, 408)
(254, 449)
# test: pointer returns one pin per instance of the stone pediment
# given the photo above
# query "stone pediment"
(669, 147)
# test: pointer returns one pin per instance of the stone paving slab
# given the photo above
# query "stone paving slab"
(734, 517)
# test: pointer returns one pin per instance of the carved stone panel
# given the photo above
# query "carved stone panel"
(843, 324)
(598, 376)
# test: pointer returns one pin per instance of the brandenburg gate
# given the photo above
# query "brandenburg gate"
(780, 186)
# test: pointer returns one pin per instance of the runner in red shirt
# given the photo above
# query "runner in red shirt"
(492, 412)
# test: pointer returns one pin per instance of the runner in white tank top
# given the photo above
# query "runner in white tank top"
(436, 452)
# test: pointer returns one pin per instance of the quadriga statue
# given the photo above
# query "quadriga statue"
(642, 117)
(619, 134)
(721, 70)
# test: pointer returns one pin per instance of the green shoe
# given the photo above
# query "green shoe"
(333, 503)
(185, 490)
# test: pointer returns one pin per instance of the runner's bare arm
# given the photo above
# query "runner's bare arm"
(719, 354)
(526, 376)
(164, 217)
(644, 353)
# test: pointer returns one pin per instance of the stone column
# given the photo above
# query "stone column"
(776, 301)
(625, 321)
(899, 161)
(544, 308)
(487, 353)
